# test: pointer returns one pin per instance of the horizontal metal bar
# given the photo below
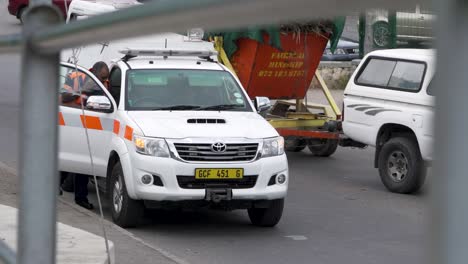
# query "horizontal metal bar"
(296, 123)
(179, 15)
(11, 43)
(308, 133)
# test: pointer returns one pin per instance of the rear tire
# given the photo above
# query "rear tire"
(294, 144)
(401, 166)
(324, 147)
(126, 212)
(267, 217)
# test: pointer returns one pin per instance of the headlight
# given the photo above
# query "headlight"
(273, 147)
(151, 146)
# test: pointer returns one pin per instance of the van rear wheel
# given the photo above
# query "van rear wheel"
(401, 166)
(126, 212)
(267, 217)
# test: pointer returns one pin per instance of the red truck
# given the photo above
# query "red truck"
(17, 7)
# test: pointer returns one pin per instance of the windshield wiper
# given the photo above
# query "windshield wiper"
(178, 107)
(221, 107)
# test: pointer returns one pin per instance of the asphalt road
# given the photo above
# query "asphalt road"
(337, 210)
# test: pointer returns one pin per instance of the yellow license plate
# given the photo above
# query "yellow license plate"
(219, 174)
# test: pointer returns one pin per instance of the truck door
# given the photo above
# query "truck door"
(73, 146)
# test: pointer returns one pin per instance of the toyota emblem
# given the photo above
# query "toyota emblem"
(218, 147)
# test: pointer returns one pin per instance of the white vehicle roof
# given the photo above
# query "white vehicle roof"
(408, 54)
(110, 52)
(173, 63)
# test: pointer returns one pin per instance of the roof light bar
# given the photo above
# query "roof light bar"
(168, 52)
(195, 34)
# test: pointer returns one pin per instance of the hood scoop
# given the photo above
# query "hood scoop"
(206, 121)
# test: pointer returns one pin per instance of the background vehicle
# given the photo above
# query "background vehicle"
(389, 104)
(281, 65)
(414, 25)
(345, 51)
(17, 7)
(81, 9)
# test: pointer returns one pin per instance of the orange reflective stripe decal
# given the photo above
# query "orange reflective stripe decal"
(91, 122)
(61, 121)
(116, 127)
(128, 133)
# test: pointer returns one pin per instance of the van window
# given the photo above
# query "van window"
(392, 74)
(377, 72)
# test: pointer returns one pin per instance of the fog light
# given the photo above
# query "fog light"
(281, 178)
(147, 179)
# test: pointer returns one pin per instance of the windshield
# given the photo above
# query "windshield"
(175, 89)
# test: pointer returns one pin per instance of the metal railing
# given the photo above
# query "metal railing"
(43, 38)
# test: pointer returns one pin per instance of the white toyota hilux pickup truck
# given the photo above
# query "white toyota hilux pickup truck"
(174, 129)
(389, 104)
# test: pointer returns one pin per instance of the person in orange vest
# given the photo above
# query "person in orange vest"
(70, 96)
(78, 86)
(70, 92)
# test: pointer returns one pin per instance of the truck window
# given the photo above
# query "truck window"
(115, 83)
(407, 76)
(188, 89)
(377, 72)
(392, 74)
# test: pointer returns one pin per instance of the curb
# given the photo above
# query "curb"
(108, 223)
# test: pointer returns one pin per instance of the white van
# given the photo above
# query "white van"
(389, 104)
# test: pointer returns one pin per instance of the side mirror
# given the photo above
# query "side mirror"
(262, 104)
(99, 103)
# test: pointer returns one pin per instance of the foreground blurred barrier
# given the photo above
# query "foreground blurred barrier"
(43, 38)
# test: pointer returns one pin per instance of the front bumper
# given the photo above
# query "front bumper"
(167, 169)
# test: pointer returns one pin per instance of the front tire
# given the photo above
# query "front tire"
(267, 217)
(401, 166)
(126, 212)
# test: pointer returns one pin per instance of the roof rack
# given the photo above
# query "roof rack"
(131, 53)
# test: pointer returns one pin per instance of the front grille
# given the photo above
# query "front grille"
(189, 182)
(204, 152)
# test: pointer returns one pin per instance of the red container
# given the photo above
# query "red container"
(279, 74)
